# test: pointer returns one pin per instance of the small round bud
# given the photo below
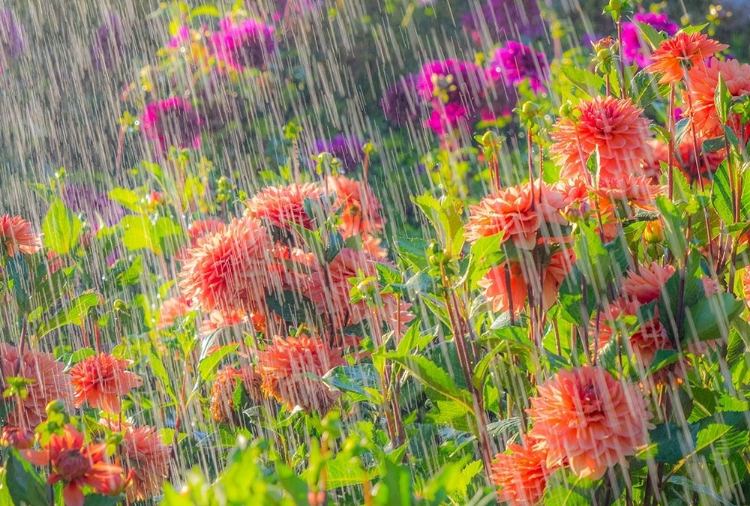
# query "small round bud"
(654, 232)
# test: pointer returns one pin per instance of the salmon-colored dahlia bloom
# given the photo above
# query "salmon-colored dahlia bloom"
(521, 473)
(228, 270)
(629, 191)
(19, 438)
(78, 465)
(49, 383)
(171, 309)
(646, 284)
(676, 56)
(16, 235)
(220, 319)
(201, 228)
(692, 167)
(222, 391)
(144, 452)
(495, 283)
(287, 365)
(616, 128)
(359, 208)
(588, 419)
(101, 380)
(702, 81)
(520, 213)
(281, 205)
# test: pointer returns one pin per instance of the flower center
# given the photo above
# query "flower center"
(72, 464)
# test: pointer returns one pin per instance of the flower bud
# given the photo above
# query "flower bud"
(654, 232)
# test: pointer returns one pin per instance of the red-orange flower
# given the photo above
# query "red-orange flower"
(588, 419)
(646, 285)
(702, 81)
(675, 56)
(16, 235)
(101, 380)
(520, 213)
(171, 309)
(228, 270)
(358, 206)
(617, 128)
(146, 455)
(222, 391)
(281, 205)
(49, 383)
(78, 465)
(19, 438)
(521, 473)
(287, 366)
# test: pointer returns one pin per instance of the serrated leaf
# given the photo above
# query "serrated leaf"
(74, 315)
(61, 228)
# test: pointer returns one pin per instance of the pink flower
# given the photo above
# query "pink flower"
(16, 235)
(521, 473)
(282, 205)
(244, 44)
(171, 309)
(102, 380)
(588, 419)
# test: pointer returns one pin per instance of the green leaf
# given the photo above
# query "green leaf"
(721, 196)
(481, 368)
(204, 10)
(650, 34)
(127, 199)
(446, 218)
(722, 100)
(662, 359)
(710, 318)
(694, 28)
(592, 259)
(157, 367)
(586, 81)
(674, 227)
(169, 236)
(61, 228)
(24, 484)
(139, 233)
(432, 376)
(712, 145)
(207, 366)
(566, 489)
(293, 484)
(103, 500)
(292, 307)
(74, 315)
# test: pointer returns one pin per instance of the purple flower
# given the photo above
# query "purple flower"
(107, 48)
(348, 149)
(12, 43)
(515, 62)
(634, 48)
(400, 101)
(171, 122)
(244, 45)
(92, 204)
(504, 19)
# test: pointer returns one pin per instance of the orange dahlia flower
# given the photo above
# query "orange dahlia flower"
(49, 383)
(637, 191)
(16, 235)
(588, 419)
(617, 128)
(521, 473)
(358, 206)
(228, 270)
(78, 465)
(222, 391)
(520, 213)
(685, 160)
(144, 453)
(675, 56)
(281, 205)
(286, 368)
(646, 285)
(101, 380)
(702, 81)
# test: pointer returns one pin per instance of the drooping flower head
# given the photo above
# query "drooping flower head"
(108, 45)
(281, 205)
(227, 270)
(521, 473)
(12, 38)
(49, 383)
(286, 367)
(504, 19)
(146, 455)
(702, 81)
(347, 148)
(16, 235)
(515, 61)
(400, 103)
(78, 465)
(171, 122)
(587, 418)
(101, 380)
(19, 438)
(634, 47)
(520, 213)
(677, 55)
(617, 128)
(223, 389)
(244, 44)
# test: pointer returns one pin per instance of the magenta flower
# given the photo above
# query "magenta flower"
(516, 61)
(246, 44)
(180, 38)
(451, 82)
(171, 122)
(634, 48)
